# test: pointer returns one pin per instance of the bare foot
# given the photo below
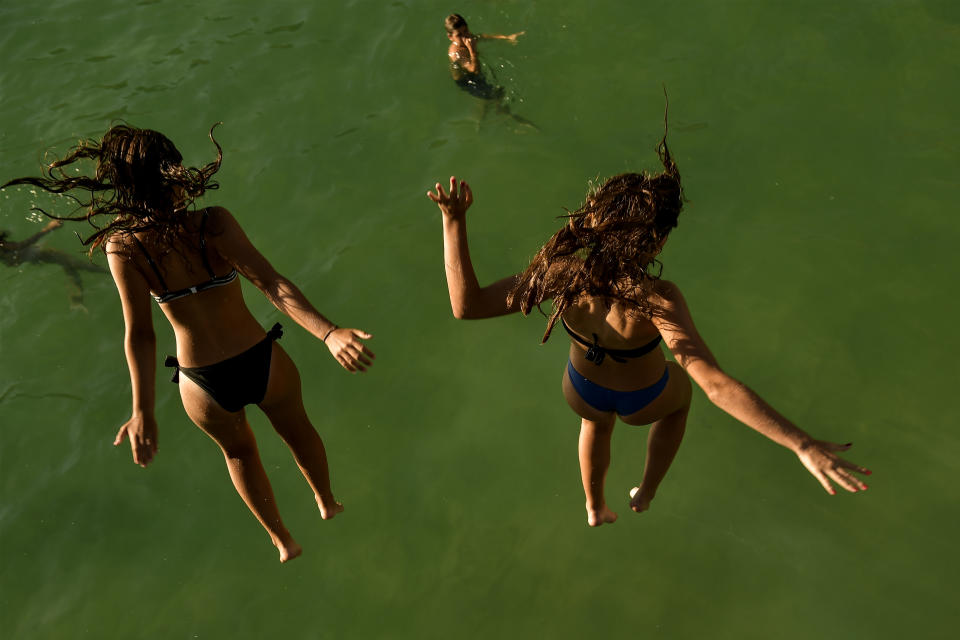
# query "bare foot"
(329, 507)
(603, 515)
(288, 550)
(639, 500)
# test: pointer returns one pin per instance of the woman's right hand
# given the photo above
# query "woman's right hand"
(348, 350)
(455, 204)
(142, 431)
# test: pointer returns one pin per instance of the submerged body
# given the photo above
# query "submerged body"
(467, 71)
(15, 253)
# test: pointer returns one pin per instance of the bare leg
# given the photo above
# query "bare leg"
(235, 438)
(283, 405)
(668, 415)
(594, 450)
(663, 441)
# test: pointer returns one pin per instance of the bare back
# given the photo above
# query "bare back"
(615, 328)
(209, 325)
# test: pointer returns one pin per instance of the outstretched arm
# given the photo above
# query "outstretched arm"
(345, 344)
(511, 38)
(468, 299)
(140, 347)
(819, 457)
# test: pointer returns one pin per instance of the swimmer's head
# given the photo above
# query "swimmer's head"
(456, 26)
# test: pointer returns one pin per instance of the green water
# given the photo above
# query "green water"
(818, 144)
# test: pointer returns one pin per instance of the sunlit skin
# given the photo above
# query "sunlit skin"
(139, 201)
(616, 328)
(463, 49)
(211, 326)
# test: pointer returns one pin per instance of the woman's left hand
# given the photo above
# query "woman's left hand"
(349, 351)
(820, 459)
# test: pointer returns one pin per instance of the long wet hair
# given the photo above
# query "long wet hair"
(608, 247)
(139, 184)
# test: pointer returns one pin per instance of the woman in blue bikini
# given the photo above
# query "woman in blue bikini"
(602, 274)
(141, 203)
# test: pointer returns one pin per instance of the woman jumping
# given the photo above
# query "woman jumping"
(141, 203)
(600, 270)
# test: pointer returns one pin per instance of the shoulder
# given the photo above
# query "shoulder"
(119, 245)
(666, 293)
(667, 302)
(218, 219)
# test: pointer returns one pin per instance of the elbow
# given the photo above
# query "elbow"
(720, 391)
(715, 393)
(142, 336)
(460, 311)
(717, 387)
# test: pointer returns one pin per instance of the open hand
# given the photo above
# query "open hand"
(348, 350)
(455, 204)
(142, 432)
(513, 36)
(825, 465)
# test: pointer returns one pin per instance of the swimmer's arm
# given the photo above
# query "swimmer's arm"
(495, 36)
(140, 348)
(232, 243)
(676, 326)
(470, 64)
(468, 300)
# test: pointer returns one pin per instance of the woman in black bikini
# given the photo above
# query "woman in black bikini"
(155, 243)
(599, 270)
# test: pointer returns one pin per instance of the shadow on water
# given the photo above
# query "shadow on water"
(14, 253)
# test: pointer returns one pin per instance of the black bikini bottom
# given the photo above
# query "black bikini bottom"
(235, 382)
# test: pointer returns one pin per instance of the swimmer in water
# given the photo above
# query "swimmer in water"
(16, 253)
(159, 246)
(465, 65)
(601, 272)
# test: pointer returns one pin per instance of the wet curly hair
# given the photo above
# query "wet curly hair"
(139, 184)
(608, 247)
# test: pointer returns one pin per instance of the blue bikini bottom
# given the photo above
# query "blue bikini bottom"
(623, 402)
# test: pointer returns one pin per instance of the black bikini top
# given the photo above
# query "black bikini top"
(596, 353)
(214, 281)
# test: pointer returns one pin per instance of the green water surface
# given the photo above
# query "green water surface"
(818, 146)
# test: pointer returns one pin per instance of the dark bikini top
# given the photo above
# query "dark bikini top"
(596, 353)
(214, 281)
